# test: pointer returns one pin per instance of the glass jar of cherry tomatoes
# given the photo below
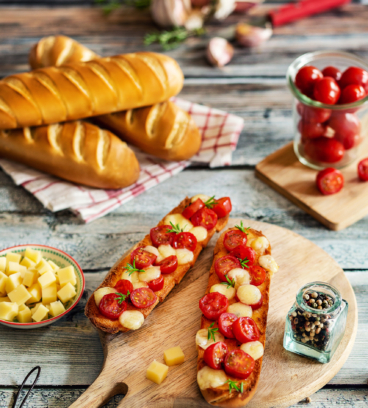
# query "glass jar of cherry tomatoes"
(330, 107)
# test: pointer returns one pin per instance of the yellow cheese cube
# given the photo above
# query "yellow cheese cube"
(174, 356)
(29, 278)
(13, 282)
(33, 255)
(22, 307)
(25, 315)
(8, 311)
(4, 299)
(157, 372)
(41, 313)
(53, 266)
(35, 307)
(3, 280)
(49, 294)
(11, 257)
(14, 267)
(36, 293)
(19, 295)
(28, 263)
(56, 308)
(3, 264)
(43, 266)
(66, 293)
(47, 279)
(66, 275)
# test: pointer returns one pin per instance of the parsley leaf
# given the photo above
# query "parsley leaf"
(175, 228)
(210, 202)
(233, 386)
(211, 332)
(132, 268)
(241, 228)
(121, 297)
(230, 282)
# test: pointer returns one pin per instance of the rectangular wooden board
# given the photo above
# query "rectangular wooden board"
(283, 172)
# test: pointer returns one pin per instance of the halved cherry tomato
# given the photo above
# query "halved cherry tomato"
(124, 286)
(324, 149)
(214, 355)
(143, 297)
(306, 78)
(313, 115)
(234, 238)
(330, 181)
(245, 330)
(193, 208)
(327, 91)
(310, 129)
(111, 307)
(225, 324)
(239, 364)
(143, 259)
(156, 284)
(185, 240)
(205, 217)
(222, 207)
(169, 264)
(225, 264)
(257, 275)
(213, 304)
(160, 236)
(354, 76)
(347, 129)
(243, 252)
(352, 93)
(332, 72)
(363, 169)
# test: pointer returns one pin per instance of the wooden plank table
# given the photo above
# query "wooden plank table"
(252, 86)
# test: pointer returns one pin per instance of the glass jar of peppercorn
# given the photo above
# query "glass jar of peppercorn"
(316, 322)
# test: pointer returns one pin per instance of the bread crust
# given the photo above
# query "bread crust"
(170, 280)
(220, 396)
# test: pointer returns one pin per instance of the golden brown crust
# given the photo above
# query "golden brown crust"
(171, 279)
(220, 396)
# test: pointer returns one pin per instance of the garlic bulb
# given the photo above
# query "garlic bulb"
(219, 52)
(224, 8)
(252, 36)
(168, 13)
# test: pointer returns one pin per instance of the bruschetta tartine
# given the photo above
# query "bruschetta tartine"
(232, 337)
(144, 277)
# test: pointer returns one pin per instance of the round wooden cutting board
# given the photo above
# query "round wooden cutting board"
(286, 378)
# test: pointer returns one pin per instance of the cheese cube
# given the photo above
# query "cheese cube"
(157, 372)
(4, 299)
(56, 308)
(47, 279)
(2, 264)
(53, 266)
(33, 255)
(40, 314)
(34, 309)
(36, 293)
(43, 266)
(22, 307)
(25, 315)
(66, 275)
(49, 294)
(29, 278)
(8, 311)
(3, 280)
(19, 295)
(14, 267)
(174, 356)
(11, 257)
(66, 293)
(13, 282)
(28, 263)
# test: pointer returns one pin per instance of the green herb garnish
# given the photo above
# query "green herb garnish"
(241, 228)
(132, 268)
(230, 282)
(110, 5)
(210, 202)
(175, 228)
(243, 262)
(233, 386)
(170, 39)
(211, 332)
(121, 297)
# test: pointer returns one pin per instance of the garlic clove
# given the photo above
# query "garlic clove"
(168, 13)
(224, 8)
(195, 20)
(219, 52)
(252, 36)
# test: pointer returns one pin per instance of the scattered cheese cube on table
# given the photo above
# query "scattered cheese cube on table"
(66, 293)
(157, 372)
(174, 356)
(19, 295)
(8, 310)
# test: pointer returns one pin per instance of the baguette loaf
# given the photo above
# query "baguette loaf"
(79, 90)
(76, 151)
(163, 130)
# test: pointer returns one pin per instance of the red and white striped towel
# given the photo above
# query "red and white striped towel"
(220, 134)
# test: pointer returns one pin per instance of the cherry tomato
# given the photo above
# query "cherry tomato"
(185, 240)
(213, 305)
(205, 217)
(143, 297)
(354, 76)
(310, 129)
(234, 238)
(243, 252)
(193, 208)
(111, 307)
(332, 72)
(330, 181)
(222, 207)
(169, 264)
(157, 284)
(160, 236)
(245, 330)
(347, 129)
(324, 149)
(239, 364)
(257, 275)
(257, 305)
(225, 323)
(143, 259)
(214, 355)
(124, 286)
(326, 91)
(352, 93)
(313, 115)
(306, 78)
(363, 169)
(225, 264)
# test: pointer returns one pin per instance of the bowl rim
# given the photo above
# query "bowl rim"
(42, 322)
